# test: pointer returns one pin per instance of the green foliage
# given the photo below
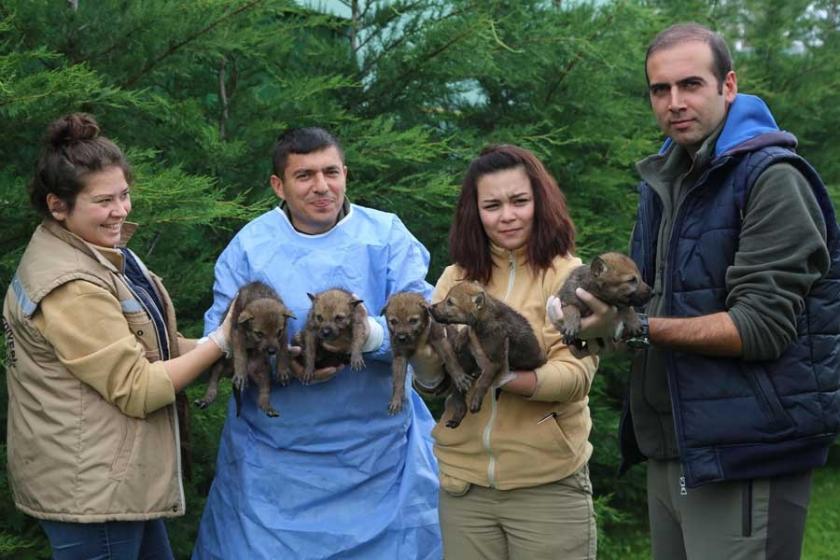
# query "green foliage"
(197, 91)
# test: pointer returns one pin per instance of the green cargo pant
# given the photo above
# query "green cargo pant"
(551, 521)
(760, 519)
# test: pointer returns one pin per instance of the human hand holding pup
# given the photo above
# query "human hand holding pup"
(320, 375)
(221, 336)
(185, 368)
(604, 324)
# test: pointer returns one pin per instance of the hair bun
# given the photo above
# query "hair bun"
(72, 128)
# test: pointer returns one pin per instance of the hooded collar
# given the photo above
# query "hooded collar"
(748, 125)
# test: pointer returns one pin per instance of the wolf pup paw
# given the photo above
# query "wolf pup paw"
(240, 382)
(357, 362)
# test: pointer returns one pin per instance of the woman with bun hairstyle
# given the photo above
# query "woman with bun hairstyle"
(514, 477)
(94, 361)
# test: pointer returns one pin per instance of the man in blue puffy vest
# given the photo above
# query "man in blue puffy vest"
(734, 398)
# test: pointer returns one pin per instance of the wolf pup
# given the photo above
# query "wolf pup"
(496, 332)
(614, 279)
(335, 327)
(412, 329)
(455, 406)
(259, 343)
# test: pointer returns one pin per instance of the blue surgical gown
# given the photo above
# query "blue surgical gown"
(334, 476)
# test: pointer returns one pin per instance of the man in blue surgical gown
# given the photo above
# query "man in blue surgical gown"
(334, 476)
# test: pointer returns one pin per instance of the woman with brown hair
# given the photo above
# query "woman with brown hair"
(514, 476)
(94, 362)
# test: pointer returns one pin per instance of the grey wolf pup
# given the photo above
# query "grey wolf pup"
(412, 329)
(614, 279)
(259, 345)
(336, 327)
(498, 336)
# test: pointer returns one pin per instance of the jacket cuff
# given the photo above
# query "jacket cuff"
(570, 382)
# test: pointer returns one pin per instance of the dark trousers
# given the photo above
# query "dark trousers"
(112, 540)
(760, 519)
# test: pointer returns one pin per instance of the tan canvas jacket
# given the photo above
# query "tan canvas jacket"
(517, 442)
(92, 429)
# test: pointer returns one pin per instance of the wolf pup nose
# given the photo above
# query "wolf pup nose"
(412, 329)
(336, 327)
(614, 279)
(260, 346)
(499, 337)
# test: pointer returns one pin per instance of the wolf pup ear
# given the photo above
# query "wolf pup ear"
(598, 266)
(478, 300)
(289, 315)
(356, 302)
(244, 317)
(311, 296)
(384, 309)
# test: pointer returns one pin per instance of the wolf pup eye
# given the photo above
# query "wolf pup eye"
(319, 317)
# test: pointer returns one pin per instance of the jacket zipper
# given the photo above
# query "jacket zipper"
(488, 429)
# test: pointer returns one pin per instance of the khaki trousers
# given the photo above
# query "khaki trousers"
(552, 521)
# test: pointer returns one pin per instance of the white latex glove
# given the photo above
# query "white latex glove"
(428, 368)
(222, 334)
(375, 334)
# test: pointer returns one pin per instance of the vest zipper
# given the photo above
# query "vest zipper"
(666, 295)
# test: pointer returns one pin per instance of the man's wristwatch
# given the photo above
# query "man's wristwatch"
(642, 340)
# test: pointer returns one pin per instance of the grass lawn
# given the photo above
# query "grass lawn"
(823, 526)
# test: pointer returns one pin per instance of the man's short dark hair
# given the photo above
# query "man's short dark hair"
(687, 32)
(302, 141)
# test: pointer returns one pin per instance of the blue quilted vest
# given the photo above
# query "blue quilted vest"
(736, 419)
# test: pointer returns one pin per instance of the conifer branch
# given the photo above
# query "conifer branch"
(403, 79)
(577, 57)
(223, 117)
(188, 39)
(405, 36)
